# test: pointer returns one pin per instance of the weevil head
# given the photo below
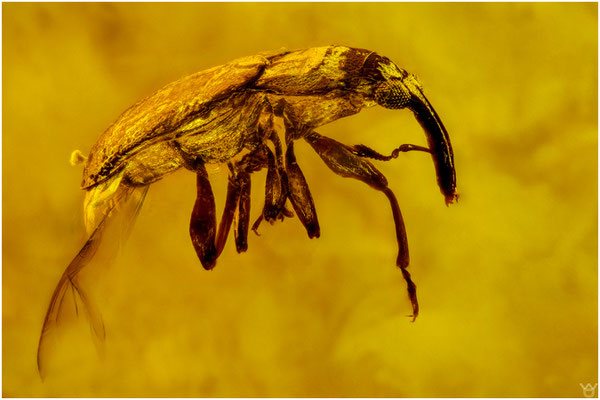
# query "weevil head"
(391, 86)
(392, 94)
(394, 88)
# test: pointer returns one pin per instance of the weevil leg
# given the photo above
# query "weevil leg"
(299, 194)
(275, 197)
(298, 191)
(241, 232)
(341, 160)
(234, 189)
(283, 211)
(276, 188)
(203, 223)
(252, 162)
(363, 151)
(274, 192)
(206, 238)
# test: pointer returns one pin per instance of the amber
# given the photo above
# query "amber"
(507, 277)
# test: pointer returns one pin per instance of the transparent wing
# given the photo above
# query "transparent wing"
(116, 213)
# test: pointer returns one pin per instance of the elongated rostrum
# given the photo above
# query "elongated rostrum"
(233, 114)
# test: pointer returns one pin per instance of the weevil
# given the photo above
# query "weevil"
(248, 114)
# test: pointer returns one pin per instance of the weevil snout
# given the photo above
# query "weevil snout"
(401, 89)
(437, 138)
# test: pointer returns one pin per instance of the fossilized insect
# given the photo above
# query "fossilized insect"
(228, 114)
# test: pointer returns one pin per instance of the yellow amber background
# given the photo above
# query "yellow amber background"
(507, 277)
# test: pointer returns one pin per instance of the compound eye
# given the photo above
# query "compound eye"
(392, 95)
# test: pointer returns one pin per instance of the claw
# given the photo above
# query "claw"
(286, 213)
(283, 213)
(256, 224)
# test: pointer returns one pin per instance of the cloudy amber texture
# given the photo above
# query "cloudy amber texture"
(507, 277)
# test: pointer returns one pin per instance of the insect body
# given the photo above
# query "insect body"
(228, 114)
